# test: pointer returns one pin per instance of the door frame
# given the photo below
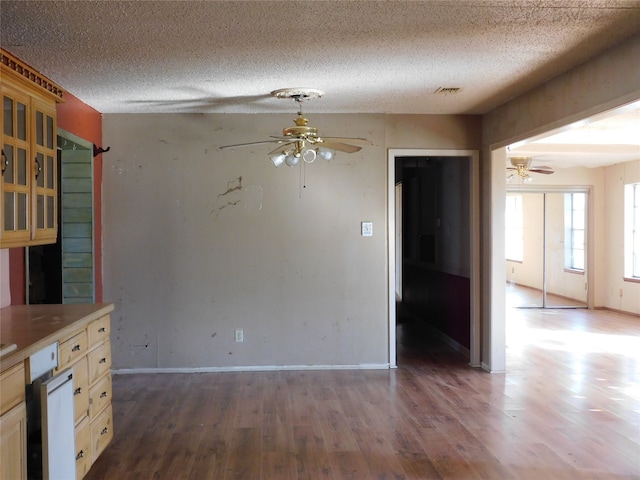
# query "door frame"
(474, 245)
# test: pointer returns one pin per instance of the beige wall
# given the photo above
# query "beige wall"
(199, 242)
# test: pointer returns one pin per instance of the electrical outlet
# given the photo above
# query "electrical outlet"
(239, 335)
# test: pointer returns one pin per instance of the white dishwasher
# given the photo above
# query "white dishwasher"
(58, 435)
(50, 418)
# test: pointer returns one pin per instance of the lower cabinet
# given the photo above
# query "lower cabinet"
(13, 424)
(89, 354)
(84, 347)
(13, 443)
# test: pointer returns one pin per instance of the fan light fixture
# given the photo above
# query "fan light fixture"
(302, 141)
(307, 136)
(521, 165)
(523, 168)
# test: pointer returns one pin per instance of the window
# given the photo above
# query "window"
(514, 228)
(632, 231)
(574, 224)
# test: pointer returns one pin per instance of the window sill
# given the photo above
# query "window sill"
(631, 279)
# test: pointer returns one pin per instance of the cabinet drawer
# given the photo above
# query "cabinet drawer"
(100, 396)
(12, 387)
(101, 432)
(72, 349)
(83, 448)
(99, 330)
(99, 362)
(81, 390)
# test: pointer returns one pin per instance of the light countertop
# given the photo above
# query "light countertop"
(31, 327)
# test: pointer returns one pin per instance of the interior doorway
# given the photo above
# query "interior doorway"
(546, 243)
(434, 246)
(64, 272)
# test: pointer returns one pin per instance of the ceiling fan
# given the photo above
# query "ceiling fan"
(522, 167)
(302, 140)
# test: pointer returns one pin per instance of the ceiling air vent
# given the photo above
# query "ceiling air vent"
(448, 90)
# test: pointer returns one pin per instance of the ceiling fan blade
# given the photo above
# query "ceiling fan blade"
(251, 143)
(341, 147)
(284, 139)
(358, 141)
(538, 170)
(281, 149)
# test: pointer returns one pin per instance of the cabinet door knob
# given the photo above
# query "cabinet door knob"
(103, 394)
(103, 360)
(102, 330)
(104, 431)
(75, 348)
(5, 162)
(77, 391)
(38, 168)
(80, 455)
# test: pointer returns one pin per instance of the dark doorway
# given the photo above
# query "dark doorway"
(434, 300)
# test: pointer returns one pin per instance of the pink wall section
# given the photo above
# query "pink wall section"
(80, 119)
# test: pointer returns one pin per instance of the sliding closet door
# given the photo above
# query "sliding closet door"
(547, 248)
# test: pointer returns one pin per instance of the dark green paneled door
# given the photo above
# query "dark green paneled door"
(76, 219)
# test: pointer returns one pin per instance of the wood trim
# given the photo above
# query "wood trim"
(29, 76)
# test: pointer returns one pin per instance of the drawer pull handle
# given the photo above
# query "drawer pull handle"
(104, 431)
(102, 330)
(77, 391)
(103, 394)
(103, 360)
(75, 348)
(80, 455)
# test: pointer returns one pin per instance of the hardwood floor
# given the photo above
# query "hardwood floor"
(568, 408)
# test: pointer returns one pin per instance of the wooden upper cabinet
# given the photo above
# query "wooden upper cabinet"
(29, 196)
(45, 177)
(16, 167)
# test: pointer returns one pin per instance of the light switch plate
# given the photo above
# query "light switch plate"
(367, 229)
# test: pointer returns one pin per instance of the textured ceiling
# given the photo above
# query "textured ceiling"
(367, 56)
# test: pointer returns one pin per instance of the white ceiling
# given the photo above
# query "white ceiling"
(367, 56)
(606, 139)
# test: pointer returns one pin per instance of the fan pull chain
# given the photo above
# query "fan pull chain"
(303, 178)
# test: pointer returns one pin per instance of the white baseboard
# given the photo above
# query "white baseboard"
(487, 368)
(249, 368)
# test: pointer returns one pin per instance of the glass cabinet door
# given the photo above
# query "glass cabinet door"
(15, 200)
(44, 174)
